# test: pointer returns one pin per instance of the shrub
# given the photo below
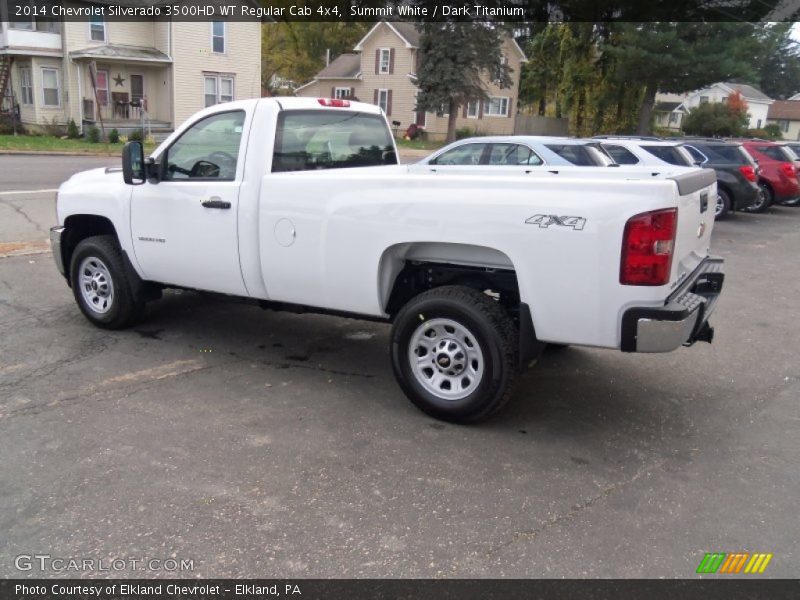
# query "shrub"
(113, 137)
(53, 128)
(715, 119)
(7, 126)
(73, 132)
(772, 131)
(93, 135)
(137, 135)
(464, 132)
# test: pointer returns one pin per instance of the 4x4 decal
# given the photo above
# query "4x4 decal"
(544, 221)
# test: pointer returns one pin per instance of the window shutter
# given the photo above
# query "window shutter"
(352, 92)
(333, 92)
(480, 109)
(510, 112)
(464, 112)
(389, 103)
(391, 62)
(375, 98)
(377, 60)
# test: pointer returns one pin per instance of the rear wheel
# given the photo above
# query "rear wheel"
(100, 284)
(454, 353)
(723, 204)
(764, 199)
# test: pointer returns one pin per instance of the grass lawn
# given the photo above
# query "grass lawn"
(419, 144)
(31, 143)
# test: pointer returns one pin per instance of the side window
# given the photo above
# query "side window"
(620, 155)
(513, 154)
(696, 154)
(468, 154)
(209, 149)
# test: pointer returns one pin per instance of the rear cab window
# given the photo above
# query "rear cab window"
(308, 140)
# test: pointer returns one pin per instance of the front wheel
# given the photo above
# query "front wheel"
(100, 284)
(454, 353)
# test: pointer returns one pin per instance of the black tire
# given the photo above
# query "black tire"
(484, 328)
(557, 347)
(723, 206)
(764, 199)
(123, 307)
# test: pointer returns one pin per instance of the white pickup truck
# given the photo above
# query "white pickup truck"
(300, 204)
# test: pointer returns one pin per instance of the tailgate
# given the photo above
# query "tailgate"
(697, 191)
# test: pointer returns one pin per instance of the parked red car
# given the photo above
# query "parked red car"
(778, 173)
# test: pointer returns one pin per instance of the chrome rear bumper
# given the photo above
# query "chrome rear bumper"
(683, 320)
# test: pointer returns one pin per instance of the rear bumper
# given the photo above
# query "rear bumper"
(683, 320)
(55, 244)
(745, 195)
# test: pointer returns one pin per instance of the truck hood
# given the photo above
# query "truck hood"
(95, 175)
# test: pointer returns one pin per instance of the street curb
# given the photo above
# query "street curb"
(56, 153)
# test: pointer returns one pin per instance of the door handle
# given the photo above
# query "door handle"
(215, 202)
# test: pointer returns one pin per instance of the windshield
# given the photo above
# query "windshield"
(313, 139)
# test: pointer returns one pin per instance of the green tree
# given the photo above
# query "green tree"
(714, 119)
(295, 51)
(680, 57)
(777, 60)
(454, 61)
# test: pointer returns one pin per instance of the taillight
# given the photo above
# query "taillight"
(647, 248)
(335, 102)
(748, 172)
(787, 169)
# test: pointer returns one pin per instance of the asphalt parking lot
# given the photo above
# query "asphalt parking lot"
(263, 444)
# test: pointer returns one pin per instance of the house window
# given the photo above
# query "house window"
(51, 87)
(783, 124)
(97, 29)
(385, 61)
(218, 37)
(383, 100)
(341, 92)
(26, 85)
(102, 87)
(473, 109)
(758, 124)
(218, 89)
(496, 106)
(703, 99)
(673, 118)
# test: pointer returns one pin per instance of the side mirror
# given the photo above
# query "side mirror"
(133, 167)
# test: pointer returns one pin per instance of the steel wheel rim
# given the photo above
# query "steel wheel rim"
(446, 359)
(96, 285)
(720, 205)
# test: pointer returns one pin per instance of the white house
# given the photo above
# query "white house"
(758, 103)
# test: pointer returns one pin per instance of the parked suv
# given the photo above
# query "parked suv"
(644, 151)
(778, 168)
(737, 175)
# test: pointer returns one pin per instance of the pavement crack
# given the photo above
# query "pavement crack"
(575, 510)
(23, 214)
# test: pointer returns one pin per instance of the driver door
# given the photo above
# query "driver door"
(184, 226)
